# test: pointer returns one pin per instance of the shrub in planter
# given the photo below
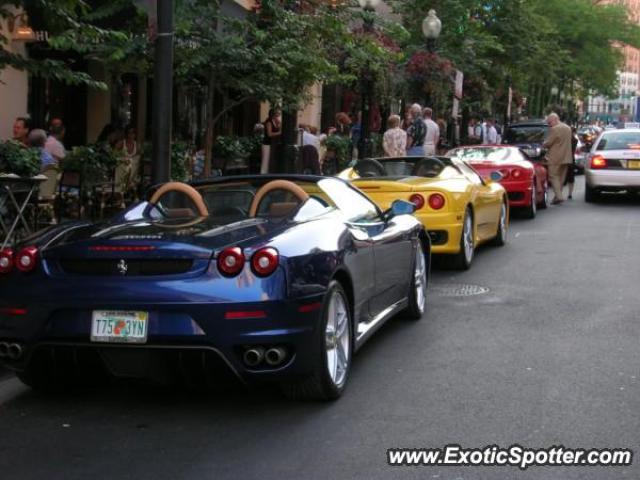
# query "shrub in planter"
(230, 148)
(95, 162)
(20, 160)
(339, 148)
(180, 161)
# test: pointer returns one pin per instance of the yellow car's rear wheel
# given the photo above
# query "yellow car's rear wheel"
(463, 259)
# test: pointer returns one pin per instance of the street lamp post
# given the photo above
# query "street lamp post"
(431, 27)
(163, 94)
(366, 93)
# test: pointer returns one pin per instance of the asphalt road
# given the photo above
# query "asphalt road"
(548, 356)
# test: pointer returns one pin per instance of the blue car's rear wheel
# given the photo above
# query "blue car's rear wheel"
(418, 288)
(333, 351)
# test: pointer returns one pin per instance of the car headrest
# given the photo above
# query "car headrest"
(282, 209)
(180, 213)
(369, 167)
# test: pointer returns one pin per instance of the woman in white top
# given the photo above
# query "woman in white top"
(394, 140)
(127, 174)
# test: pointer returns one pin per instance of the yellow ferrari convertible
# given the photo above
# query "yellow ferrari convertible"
(459, 209)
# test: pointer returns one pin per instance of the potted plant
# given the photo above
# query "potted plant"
(96, 163)
(233, 152)
(338, 154)
(180, 161)
(20, 160)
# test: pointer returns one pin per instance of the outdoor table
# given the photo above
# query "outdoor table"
(10, 184)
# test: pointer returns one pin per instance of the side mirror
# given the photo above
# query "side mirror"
(399, 207)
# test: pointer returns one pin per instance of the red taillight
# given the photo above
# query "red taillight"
(436, 201)
(516, 173)
(13, 311)
(598, 161)
(264, 262)
(26, 259)
(231, 261)
(234, 315)
(6, 260)
(417, 200)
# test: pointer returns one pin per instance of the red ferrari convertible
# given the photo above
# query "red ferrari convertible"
(526, 182)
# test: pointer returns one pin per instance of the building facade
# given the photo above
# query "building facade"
(623, 107)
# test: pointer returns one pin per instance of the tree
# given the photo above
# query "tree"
(534, 45)
(74, 26)
(274, 55)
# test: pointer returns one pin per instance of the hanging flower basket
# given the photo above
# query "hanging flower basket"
(424, 66)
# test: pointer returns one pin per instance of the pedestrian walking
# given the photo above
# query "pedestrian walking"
(559, 156)
(394, 140)
(570, 179)
(499, 130)
(474, 131)
(492, 133)
(343, 124)
(271, 139)
(416, 132)
(310, 136)
(481, 131)
(432, 137)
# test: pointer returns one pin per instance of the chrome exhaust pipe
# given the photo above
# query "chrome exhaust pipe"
(15, 351)
(4, 349)
(275, 356)
(252, 357)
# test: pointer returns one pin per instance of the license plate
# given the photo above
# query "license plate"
(633, 164)
(119, 326)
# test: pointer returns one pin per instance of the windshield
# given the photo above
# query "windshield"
(405, 167)
(526, 134)
(619, 141)
(487, 154)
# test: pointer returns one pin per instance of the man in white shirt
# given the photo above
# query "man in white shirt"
(54, 146)
(309, 138)
(433, 133)
(492, 133)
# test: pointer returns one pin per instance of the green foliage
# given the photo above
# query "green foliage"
(80, 27)
(180, 161)
(95, 162)
(233, 147)
(537, 44)
(340, 147)
(377, 150)
(274, 55)
(18, 159)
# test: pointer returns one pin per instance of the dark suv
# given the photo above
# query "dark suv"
(529, 136)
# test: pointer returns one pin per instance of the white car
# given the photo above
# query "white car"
(613, 164)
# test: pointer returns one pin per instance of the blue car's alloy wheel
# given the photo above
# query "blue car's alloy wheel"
(337, 339)
(418, 288)
(334, 352)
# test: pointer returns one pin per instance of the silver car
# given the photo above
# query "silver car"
(613, 164)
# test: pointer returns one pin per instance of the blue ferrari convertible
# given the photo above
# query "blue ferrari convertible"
(258, 278)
